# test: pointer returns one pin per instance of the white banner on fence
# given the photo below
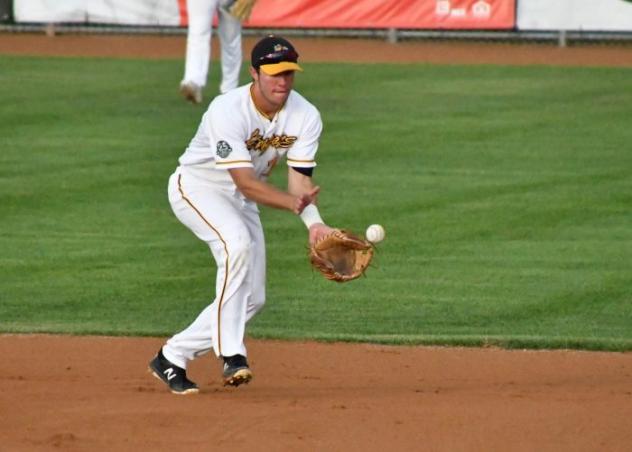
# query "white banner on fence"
(576, 15)
(124, 12)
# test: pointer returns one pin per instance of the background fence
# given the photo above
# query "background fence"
(535, 20)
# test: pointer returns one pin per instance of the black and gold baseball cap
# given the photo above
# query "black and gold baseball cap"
(274, 55)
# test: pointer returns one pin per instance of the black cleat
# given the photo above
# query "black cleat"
(236, 370)
(175, 377)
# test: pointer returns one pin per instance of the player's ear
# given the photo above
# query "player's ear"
(254, 73)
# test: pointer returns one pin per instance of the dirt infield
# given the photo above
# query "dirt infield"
(95, 394)
(328, 49)
(89, 394)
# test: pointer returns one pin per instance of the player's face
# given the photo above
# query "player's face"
(273, 89)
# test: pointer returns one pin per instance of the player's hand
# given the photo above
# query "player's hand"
(305, 199)
(318, 230)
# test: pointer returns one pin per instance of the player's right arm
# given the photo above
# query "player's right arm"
(299, 183)
(263, 193)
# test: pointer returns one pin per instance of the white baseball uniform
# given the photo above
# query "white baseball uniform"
(202, 194)
(198, 53)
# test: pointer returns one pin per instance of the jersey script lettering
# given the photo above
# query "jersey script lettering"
(257, 142)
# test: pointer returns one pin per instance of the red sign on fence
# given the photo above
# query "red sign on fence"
(411, 14)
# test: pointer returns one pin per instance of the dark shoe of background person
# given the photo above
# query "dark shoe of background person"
(191, 92)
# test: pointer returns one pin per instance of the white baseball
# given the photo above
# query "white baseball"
(375, 233)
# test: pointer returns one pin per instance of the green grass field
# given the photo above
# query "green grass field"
(506, 193)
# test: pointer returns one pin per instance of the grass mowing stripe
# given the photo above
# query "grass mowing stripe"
(505, 193)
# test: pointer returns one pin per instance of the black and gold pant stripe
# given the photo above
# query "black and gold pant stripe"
(220, 298)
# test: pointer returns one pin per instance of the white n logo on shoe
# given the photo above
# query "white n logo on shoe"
(170, 373)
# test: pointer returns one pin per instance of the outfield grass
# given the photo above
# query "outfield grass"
(506, 194)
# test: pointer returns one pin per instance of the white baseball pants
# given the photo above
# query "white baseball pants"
(231, 227)
(198, 53)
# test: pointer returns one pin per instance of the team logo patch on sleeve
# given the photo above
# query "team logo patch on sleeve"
(223, 149)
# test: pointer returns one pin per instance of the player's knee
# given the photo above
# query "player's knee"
(240, 250)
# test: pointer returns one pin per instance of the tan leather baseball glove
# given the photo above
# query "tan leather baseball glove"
(241, 9)
(341, 256)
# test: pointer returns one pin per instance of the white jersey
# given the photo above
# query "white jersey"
(234, 134)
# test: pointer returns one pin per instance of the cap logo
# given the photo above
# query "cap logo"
(279, 47)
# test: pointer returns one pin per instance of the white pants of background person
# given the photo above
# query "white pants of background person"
(230, 225)
(198, 53)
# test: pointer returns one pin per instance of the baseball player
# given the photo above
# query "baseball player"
(198, 51)
(215, 190)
